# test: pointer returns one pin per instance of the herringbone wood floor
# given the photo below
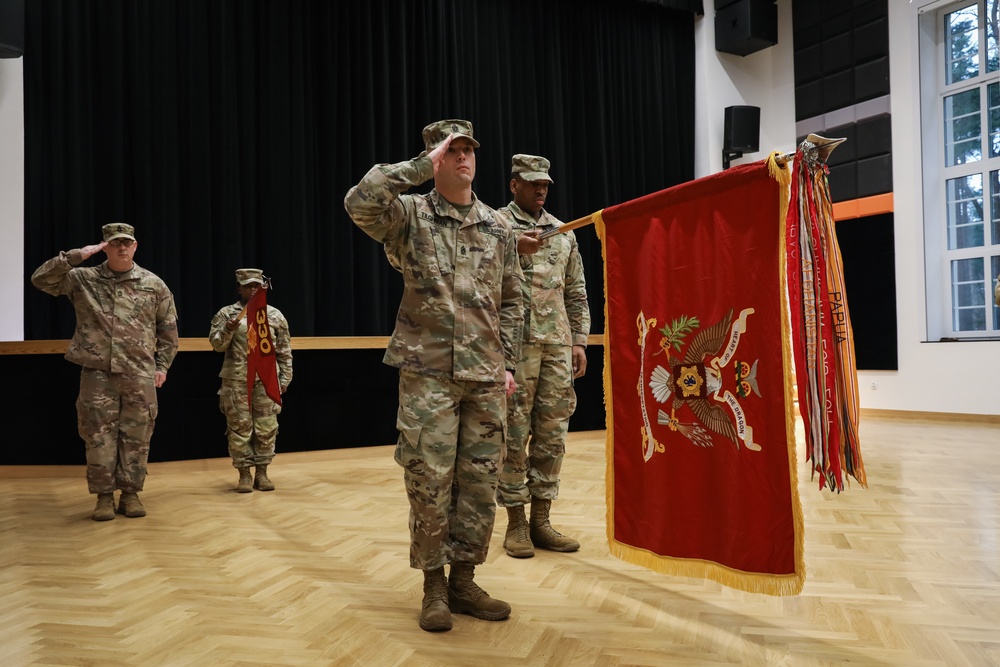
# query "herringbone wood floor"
(906, 572)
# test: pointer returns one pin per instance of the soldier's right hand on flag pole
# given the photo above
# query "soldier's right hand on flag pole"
(528, 242)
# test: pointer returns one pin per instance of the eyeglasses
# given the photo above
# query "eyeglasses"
(121, 242)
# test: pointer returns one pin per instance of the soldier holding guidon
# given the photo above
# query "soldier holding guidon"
(251, 429)
(553, 353)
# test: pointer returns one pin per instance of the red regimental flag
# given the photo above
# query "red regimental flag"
(698, 383)
(261, 360)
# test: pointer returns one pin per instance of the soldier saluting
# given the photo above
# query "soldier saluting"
(125, 340)
(455, 343)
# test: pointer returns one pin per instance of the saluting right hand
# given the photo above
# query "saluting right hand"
(89, 250)
(437, 155)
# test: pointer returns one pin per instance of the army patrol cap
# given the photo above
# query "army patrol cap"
(437, 132)
(530, 167)
(247, 276)
(118, 230)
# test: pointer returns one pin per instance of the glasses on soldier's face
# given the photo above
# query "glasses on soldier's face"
(121, 242)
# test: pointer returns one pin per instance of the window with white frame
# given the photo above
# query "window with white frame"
(962, 169)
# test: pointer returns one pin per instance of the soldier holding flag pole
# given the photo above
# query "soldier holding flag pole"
(255, 373)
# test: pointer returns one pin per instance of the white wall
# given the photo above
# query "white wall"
(11, 199)
(764, 79)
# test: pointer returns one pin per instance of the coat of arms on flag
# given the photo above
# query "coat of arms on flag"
(695, 380)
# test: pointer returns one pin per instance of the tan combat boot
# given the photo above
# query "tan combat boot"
(516, 541)
(465, 597)
(434, 614)
(261, 482)
(543, 535)
(130, 506)
(246, 481)
(105, 510)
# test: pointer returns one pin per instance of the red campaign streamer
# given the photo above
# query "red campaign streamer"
(848, 403)
(802, 305)
(822, 341)
(262, 362)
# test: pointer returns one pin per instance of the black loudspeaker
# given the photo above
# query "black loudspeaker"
(11, 28)
(741, 134)
(746, 26)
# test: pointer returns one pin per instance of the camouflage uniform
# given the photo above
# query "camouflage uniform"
(126, 331)
(556, 318)
(251, 435)
(457, 331)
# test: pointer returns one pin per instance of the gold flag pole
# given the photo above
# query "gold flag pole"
(824, 144)
(570, 226)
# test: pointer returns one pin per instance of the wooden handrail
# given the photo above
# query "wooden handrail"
(202, 344)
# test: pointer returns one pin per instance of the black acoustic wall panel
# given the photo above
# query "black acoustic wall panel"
(871, 79)
(841, 54)
(874, 136)
(844, 182)
(875, 176)
(862, 165)
(11, 28)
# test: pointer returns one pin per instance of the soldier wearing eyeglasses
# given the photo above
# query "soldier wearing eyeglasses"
(125, 340)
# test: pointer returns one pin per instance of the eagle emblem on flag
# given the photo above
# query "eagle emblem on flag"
(694, 379)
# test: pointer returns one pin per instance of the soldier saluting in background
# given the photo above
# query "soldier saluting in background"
(125, 340)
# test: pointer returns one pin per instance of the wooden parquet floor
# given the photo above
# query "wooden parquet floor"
(904, 573)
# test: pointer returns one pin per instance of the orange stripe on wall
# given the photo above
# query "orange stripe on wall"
(861, 208)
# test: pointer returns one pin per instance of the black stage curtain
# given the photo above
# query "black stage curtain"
(229, 131)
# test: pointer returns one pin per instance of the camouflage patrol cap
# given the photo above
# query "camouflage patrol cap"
(118, 230)
(530, 167)
(247, 276)
(437, 132)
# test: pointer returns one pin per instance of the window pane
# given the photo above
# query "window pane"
(995, 207)
(962, 128)
(962, 44)
(965, 212)
(968, 291)
(993, 97)
(994, 273)
(971, 294)
(992, 55)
